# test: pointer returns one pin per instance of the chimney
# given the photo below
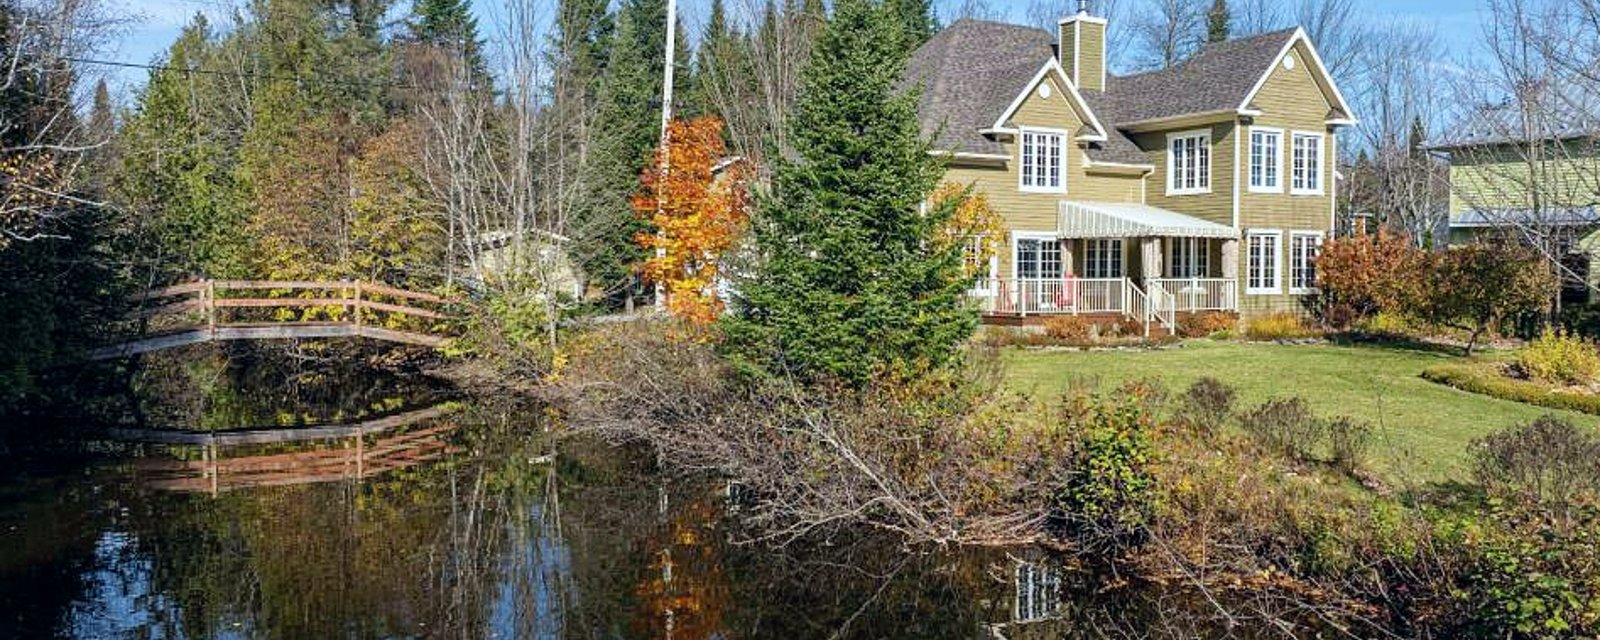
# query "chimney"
(1083, 49)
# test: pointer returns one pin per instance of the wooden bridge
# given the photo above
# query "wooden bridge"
(214, 310)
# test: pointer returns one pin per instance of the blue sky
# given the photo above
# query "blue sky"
(1458, 24)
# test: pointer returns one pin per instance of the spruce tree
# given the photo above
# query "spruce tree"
(627, 127)
(711, 61)
(449, 23)
(850, 284)
(914, 19)
(1217, 22)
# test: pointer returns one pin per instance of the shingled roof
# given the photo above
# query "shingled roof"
(972, 70)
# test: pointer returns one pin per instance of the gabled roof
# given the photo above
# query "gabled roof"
(1564, 111)
(1218, 78)
(970, 72)
(973, 71)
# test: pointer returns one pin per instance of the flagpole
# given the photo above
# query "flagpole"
(666, 123)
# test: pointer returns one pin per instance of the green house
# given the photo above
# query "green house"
(1207, 186)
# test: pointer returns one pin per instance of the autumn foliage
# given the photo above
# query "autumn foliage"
(972, 221)
(1364, 274)
(696, 213)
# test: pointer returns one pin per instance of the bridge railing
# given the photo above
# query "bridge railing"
(235, 303)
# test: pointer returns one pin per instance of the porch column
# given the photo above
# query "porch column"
(1151, 257)
(1230, 258)
(1068, 264)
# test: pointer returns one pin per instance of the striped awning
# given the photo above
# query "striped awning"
(1128, 220)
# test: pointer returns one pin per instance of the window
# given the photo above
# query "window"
(1266, 160)
(1306, 178)
(1102, 258)
(1262, 276)
(1038, 259)
(1041, 161)
(1038, 592)
(982, 270)
(1188, 258)
(1189, 163)
(1303, 249)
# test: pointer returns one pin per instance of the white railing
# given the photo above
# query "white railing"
(1162, 308)
(1198, 294)
(1055, 296)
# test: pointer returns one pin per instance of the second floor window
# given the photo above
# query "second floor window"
(1042, 161)
(1307, 174)
(1189, 163)
(1266, 160)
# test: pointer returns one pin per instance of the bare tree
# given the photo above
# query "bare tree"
(1398, 94)
(975, 10)
(1528, 151)
(1165, 32)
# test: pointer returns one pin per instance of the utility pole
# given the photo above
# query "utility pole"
(666, 123)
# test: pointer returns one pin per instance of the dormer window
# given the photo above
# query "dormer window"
(1189, 163)
(1043, 154)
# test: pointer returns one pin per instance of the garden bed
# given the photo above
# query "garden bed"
(1490, 379)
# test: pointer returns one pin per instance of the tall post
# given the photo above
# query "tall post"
(357, 304)
(666, 123)
(211, 307)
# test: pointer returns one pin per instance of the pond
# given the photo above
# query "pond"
(473, 518)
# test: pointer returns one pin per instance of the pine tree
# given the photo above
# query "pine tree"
(1217, 22)
(712, 60)
(850, 284)
(449, 23)
(627, 127)
(915, 20)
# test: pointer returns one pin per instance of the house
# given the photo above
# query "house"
(1207, 186)
(1530, 171)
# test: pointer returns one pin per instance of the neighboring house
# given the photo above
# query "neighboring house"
(1206, 186)
(1531, 173)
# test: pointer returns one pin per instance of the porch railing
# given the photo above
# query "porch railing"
(1198, 294)
(1055, 296)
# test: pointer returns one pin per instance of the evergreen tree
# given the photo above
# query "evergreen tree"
(851, 283)
(627, 127)
(1418, 139)
(915, 20)
(712, 60)
(1218, 20)
(449, 23)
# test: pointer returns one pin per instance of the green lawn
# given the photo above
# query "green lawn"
(1422, 428)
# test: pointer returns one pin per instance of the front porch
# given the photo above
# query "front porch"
(1110, 259)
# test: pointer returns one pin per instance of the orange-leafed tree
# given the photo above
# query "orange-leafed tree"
(696, 211)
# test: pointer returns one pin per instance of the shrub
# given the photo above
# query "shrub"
(1278, 326)
(1349, 440)
(1110, 491)
(1206, 323)
(1560, 358)
(1477, 378)
(1286, 426)
(1207, 404)
(1068, 328)
(1548, 461)
(1386, 323)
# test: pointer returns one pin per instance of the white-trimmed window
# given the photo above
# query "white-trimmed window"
(1189, 162)
(1043, 156)
(1102, 258)
(1263, 270)
(1303, 249)
(984, 272)
(1037, 258)
(1266, 160)
(1306, 174)
(1188, 258)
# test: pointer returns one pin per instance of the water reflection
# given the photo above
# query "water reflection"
(482, 524)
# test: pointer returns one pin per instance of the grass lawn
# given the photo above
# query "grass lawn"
(1422, 428)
